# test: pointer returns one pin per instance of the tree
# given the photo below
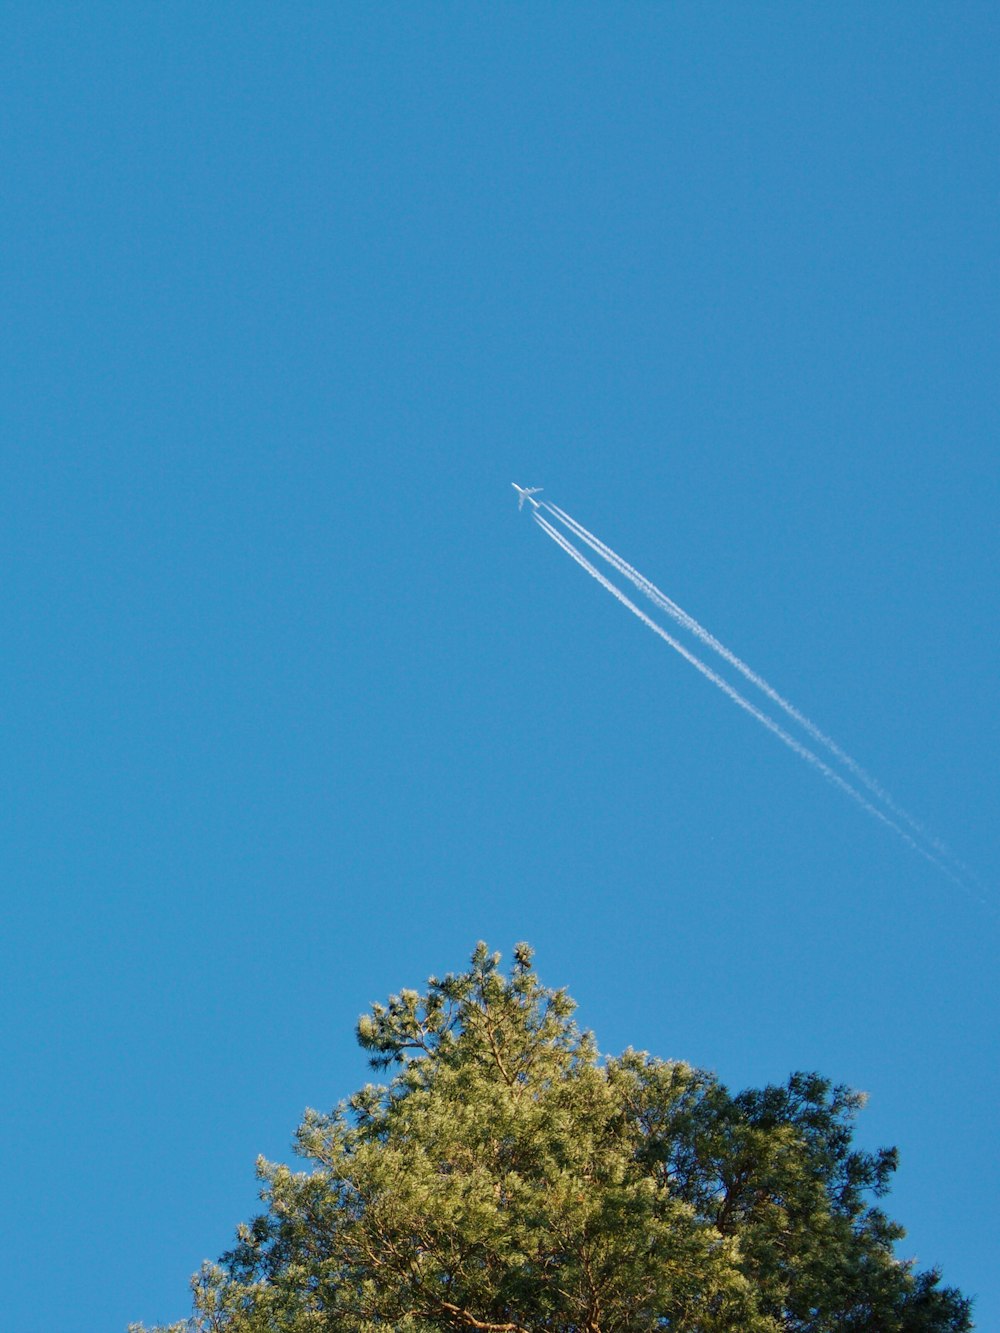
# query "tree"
(508, 1180)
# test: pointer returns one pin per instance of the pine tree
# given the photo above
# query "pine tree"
(508, 1179)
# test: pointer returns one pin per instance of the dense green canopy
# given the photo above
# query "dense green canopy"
(508, 1179)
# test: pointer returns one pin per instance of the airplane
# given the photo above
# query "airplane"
(525, 493)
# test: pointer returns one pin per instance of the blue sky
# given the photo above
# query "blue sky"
(296, 706)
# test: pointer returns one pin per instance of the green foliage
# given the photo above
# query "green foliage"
(508, 1179)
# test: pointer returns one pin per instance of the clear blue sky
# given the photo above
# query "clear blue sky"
(295, 705)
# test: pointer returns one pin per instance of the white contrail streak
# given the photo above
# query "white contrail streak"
(796, 746)
(681, 617)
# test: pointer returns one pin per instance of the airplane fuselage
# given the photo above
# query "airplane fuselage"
(526, 493)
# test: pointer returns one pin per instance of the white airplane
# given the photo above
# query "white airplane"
(525, 493)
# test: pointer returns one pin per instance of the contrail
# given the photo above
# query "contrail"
(796, 746)
(688, 622)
